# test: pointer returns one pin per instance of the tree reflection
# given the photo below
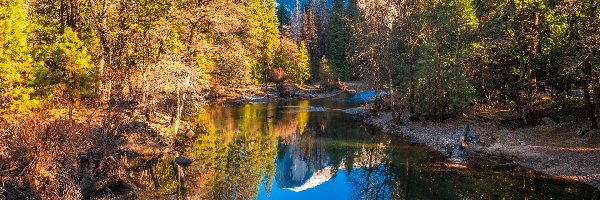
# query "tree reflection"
(231, 169)
(237, 152)
(156, 177)
(240, 149)
(370, 175)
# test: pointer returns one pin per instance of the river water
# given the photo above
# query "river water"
(312, 150)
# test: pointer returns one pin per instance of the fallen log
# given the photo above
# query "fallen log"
(461, 140)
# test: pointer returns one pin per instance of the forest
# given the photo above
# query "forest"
(80, 78)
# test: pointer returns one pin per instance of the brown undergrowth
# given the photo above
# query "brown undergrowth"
(48, 157)
(39, 157)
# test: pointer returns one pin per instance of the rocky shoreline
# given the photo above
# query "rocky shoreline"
(579, 161)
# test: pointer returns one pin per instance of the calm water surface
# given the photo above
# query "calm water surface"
(311, 150)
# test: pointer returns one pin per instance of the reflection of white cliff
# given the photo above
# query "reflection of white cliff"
(366, 158)
(299, 169)
(319, 177)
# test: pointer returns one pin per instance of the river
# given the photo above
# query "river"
(312, 150)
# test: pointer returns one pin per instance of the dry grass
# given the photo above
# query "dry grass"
(40, 156)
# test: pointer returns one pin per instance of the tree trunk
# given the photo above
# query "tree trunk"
(108, 90)
(100, 71)
(178, 110)
(586, 93)
(266, 81)
(457, 66)
(595, 81)
(533, 58)
(438, 85)
(74, 20)
(521, 105)
(411, 74)
(100, 23)
(62, 14)
(411, 88)
(392, 97)
(594, 62)
(71, 111)
(591, 77)
(438, 68)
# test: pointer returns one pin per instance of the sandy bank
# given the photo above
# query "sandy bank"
(554, 149)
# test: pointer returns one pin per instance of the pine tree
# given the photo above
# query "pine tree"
(66, 70)
(353, 12)
(15, 59)
(293, 59)
(284, 56)
(303, 60)
(316, 33)
(265, 37)
(310, 38)
(448, 38)
(284, 18)
(339, 40)
(353, 17)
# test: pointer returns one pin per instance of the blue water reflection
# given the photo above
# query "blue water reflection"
(311, 150)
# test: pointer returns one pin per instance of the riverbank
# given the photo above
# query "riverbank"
(556, 149)
(47, 156)
(258, 94)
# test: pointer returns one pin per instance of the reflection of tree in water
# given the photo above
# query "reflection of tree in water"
(230, 170)
(234, 155)
(386, 171)
(240, 148)
(155, 177)
(370, 178)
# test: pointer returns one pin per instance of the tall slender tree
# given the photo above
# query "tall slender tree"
(339, 40)
(265, 37)
(284, 18)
